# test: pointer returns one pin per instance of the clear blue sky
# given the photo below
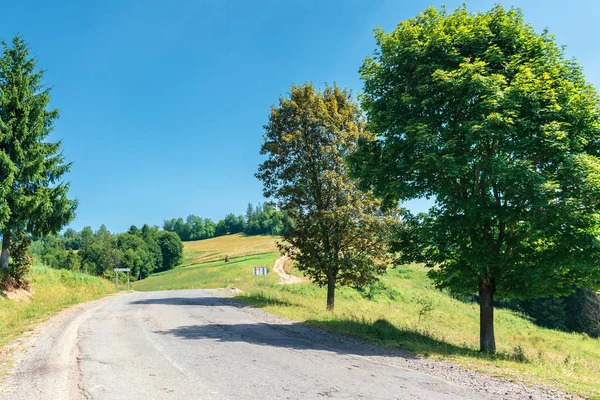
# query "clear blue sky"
(162, 102)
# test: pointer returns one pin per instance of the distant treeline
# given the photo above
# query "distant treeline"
(577, 312)
(145, 250)
(263, 219)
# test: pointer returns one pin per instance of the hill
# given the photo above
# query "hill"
(204, 264)
(404, 310)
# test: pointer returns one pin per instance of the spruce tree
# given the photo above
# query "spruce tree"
(33, 193)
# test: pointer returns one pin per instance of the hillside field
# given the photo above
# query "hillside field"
(403, 311)
(204, 264)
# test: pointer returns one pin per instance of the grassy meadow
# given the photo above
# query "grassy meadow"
(204, 264)
(403, 311)
(52, 290)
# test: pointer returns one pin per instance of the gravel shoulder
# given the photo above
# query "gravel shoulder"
(202, 344)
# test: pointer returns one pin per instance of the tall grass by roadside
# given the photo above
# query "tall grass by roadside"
(52, 290)
(405, 311)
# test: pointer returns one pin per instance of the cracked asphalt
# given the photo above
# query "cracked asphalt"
(200, 344)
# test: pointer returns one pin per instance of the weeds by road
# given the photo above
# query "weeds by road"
(406, 312)
(52, 290)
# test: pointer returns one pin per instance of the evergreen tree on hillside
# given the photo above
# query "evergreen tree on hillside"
(33, 194)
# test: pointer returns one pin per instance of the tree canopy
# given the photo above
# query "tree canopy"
(33, 193)
(337, 232)
(144, 250)
(264, 219)
(487, 117)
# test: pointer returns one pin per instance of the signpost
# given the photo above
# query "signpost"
(256, 271)
(117, 270)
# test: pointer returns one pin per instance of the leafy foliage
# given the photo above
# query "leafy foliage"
(21, 261)
(488, 117)
(144, 251)
(338, 233)
(577, 312)
(33, 195)
(264, 219)
(171, 249)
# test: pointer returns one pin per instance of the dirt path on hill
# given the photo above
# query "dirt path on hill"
(286, 279)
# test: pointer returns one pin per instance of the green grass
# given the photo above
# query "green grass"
(52, 290)
(204, 264)
(388, 314)
(212, 274)
(237, 245)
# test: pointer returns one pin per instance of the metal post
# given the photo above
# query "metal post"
(117, 281)
(128, 289)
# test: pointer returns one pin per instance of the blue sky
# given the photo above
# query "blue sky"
(162, 102)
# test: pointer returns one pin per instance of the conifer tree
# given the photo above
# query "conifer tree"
(33, 193)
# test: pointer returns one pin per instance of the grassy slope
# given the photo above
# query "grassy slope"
(53, 290)
(389, 316)
(526, 353)
(204, 264)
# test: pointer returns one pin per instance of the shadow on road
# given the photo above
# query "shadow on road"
(193, 301)
(323, 335)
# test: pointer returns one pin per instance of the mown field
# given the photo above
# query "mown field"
(51, 291)
(403, 311)
(204, 264)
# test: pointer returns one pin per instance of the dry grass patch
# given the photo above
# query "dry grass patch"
(237, 245)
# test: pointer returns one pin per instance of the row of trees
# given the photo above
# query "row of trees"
(476, 111)
(577, 312)
(264, 219)
(144, 250)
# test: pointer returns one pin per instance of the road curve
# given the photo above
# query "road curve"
(198, 344)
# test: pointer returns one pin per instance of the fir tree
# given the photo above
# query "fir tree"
(33, 194)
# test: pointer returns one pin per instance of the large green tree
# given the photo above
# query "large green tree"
(171, 248)
(33, 194)
(488, 118)
(338, 232)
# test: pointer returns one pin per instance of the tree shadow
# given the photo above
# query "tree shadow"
(340, 335)
(385, 339)
(311, 336)
(208, 301)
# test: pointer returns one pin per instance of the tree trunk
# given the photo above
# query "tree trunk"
(330, 292)
(487, 341)
(5, 249)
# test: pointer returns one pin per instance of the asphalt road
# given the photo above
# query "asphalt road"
(197, 344)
